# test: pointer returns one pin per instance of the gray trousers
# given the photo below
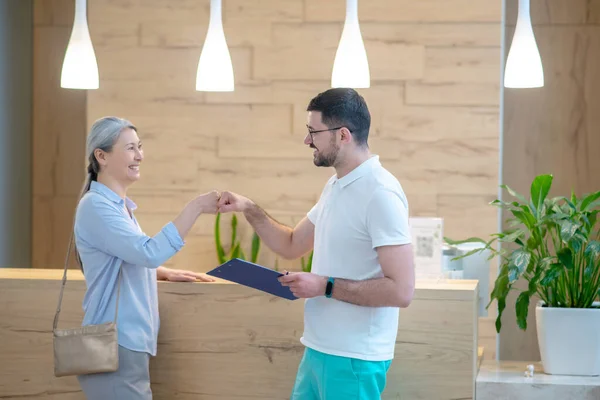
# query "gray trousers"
(130, 382)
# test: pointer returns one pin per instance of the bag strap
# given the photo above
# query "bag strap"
(64, 281)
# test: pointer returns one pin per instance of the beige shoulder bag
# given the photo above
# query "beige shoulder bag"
(86, 349)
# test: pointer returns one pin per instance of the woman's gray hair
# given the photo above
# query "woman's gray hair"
(103, 135)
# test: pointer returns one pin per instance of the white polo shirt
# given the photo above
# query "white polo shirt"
(356, 214)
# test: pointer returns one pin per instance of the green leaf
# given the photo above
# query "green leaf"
(525, 216)
(469, 253)
(513, 223)
(592, 219)
(567, 230)
(514, 194)
(255, 247)
(587, 225)
(533, 282)
(589, 270)
(592, 250)
(307, 265)
(577, 243)
(540, 187)
(504, 204)
(556, 208)
(469, 240)
(501, 307)
(501, 289)
(522, 308)
(513, 274)
(235, 252)
(532, 243)
(234, 224)
(552, 273)
(242, 255)
(593, 205)
(565, 255)
(220, 250)
(572, 208)
(533, 265)
(512, 236)
(556, 217)
(521, 259)
(589, 200)
(546, 262)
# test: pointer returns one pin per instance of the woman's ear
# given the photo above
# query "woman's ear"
(100, 156)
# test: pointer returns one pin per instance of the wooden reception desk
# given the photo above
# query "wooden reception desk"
(226, 341)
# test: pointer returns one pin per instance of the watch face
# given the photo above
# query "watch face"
(328, 288)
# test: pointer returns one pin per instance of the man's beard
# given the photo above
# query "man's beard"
(327, 160)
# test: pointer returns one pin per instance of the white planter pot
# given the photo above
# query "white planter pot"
(569, 340)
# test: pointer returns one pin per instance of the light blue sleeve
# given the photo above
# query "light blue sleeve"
(110, 231)
(387, 219)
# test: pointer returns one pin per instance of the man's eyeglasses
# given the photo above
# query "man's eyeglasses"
(311, 133)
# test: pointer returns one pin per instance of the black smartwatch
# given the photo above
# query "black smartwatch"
(329, 287)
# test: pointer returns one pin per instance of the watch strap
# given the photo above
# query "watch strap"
(329, 287)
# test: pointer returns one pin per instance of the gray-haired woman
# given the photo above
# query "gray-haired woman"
(108, 241)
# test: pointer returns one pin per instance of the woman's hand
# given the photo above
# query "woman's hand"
(204, 204)
(178, 275)
(208, 202)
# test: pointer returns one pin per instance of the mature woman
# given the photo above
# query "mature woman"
(112, 247)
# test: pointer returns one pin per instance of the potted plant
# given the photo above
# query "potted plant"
(554, 245)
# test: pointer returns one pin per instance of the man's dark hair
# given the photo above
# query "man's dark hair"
(344, 107)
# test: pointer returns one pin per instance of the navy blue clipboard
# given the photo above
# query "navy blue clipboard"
(254, 276)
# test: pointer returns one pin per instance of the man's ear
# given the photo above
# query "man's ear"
(345, 135)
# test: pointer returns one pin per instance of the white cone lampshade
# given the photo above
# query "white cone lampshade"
(80, 70)
(215, 71)
(351, 66)
(524, 64)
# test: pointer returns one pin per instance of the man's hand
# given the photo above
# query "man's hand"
(231, 202)
(178, 275)
(304, 285)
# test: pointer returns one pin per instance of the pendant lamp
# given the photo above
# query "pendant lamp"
(523, 65)
(215, 71)
(79, 69)
(351, 66)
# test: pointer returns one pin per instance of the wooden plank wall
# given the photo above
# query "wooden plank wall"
(434, 104)
(434, 100)
(58, 136)
(553, 129)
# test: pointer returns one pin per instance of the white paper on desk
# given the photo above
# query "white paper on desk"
(427, 239)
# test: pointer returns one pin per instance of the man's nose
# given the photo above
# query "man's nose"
(307, 139)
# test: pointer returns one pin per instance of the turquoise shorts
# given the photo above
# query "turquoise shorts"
(325, 377)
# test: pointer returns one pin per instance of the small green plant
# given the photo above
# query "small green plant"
(307, 265)
(552, 243)
(235, 251)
